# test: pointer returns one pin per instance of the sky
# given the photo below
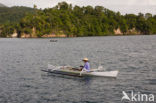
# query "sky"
(124, 6)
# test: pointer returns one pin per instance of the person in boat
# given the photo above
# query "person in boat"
(86, 66)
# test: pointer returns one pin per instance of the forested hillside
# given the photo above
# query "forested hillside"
(13, 14)
(74, 21)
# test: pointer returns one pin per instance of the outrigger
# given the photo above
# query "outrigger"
(67, 70)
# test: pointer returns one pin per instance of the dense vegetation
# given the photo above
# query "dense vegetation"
(74, 21)
(13, 14)
(11, 17)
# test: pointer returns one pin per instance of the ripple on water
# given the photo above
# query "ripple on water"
(21, 60)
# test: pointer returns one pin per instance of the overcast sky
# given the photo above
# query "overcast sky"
(124, 6)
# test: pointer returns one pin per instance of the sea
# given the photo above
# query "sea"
(22, 81)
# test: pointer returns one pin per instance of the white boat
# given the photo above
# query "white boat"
(76, 72)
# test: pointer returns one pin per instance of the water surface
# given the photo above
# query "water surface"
(21, 60)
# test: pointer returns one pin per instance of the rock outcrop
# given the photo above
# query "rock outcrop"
(129, 32)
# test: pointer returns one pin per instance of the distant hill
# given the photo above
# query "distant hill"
(13, 14)
(69, 21)
(2, 5)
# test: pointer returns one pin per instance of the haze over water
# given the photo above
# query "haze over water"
(22, 81)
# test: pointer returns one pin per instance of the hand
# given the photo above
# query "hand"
(81, 72)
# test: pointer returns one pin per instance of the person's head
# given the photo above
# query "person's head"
(85, 60)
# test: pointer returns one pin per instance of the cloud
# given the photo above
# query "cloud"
(152, 2)
(28, 3)
(114, 2)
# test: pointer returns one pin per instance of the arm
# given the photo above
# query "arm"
(84, 69)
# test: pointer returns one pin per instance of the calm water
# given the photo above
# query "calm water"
(21, 60)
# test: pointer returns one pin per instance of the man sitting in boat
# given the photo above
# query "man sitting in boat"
(86, 66)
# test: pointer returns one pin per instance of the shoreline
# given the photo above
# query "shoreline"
(79, 36)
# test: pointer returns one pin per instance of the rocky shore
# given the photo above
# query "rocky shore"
(33, 35)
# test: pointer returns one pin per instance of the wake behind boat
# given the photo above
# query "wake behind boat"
(67, 70)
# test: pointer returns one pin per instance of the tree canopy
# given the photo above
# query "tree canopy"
(73, 21)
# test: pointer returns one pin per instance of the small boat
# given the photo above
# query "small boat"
(76, 72)
(53, 40)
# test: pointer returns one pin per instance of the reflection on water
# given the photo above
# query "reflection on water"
(22, 81)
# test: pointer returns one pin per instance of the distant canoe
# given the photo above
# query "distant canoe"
(53, 40)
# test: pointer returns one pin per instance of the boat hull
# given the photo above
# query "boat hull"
(77, 73)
